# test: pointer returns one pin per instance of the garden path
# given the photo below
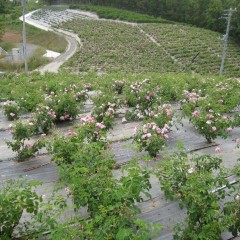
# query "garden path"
(157, 209)
(73, 43)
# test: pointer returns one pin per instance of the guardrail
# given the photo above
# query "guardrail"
(3, 52)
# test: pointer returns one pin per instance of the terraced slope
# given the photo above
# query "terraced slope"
(156, 47)
(112, 46)
(184, 42)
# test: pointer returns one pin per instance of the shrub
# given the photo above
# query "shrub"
(64, 104)
(198, 182)
(43, 119)
(11, 110)
(161, 115)
(211, 124)
(16, 196)
(105, 110)
(21, 132)
(151, 138)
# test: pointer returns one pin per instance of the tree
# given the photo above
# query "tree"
(236, 22)
(3, 6)
(214, 13)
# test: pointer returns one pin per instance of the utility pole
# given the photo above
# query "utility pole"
(24, 37)
(228, 16)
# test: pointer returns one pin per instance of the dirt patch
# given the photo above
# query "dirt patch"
(12, 37)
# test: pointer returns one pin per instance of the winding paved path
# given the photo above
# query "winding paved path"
(73, 43)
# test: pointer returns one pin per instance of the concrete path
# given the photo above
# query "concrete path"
(73, 43)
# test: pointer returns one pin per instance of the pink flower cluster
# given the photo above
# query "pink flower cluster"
(87, 86)
(190, 96)
(167, 108)
(149, 95)
(65, 117)
(70, 133)
(136, 87)
(100, 125)
(195, 113)
(52, 113)
(87, 119)
(212, 122)
(29, 145)
(149, 129)
(107, 109)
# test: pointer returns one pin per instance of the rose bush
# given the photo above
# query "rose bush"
(21, 133)
(151, 138)
(11, 110)
(211, 124)
(43, 119)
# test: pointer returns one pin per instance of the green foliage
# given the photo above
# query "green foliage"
(37, 59)
(116, 47)
(21, 133)
(176, 38)
(208, 107)
(7, 46)
(34, 61)
(47, 39)
(87, 170)
(43, 119)
(211, 124)
(151, 138)
(197, 182)
(119, 14)
(46, 219)
(207, 13)
(86, 167)
(105, 109)
(16, 196)
(11, 110)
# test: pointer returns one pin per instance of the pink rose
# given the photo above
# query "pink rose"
(69, 133)
(151, 114)
(229, 129)
(214, 128)
(166, 136)
(169, 112)
(29, 145)
(100, 125)
(195, 113)
(217, 150)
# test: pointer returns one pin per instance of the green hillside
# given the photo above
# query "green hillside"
(184, 42)
(154, 47)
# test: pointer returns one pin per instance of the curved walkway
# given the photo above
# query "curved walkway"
(73, 43)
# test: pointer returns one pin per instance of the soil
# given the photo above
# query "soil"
(12, 37)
